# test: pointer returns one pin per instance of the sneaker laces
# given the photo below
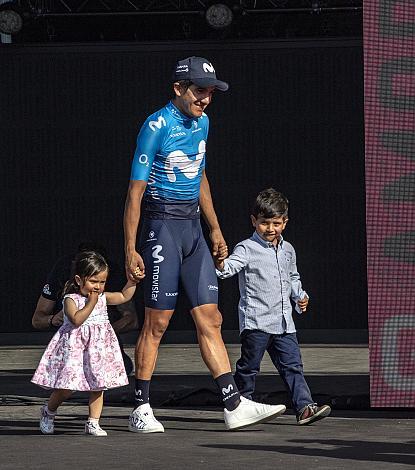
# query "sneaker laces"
(308, 410)
(46, 416)
(94, 426)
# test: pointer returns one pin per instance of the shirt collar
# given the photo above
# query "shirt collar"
(177, 114)
(264, 243)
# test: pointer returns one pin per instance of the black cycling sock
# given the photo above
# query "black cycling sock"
(141, 392)
(228, 390)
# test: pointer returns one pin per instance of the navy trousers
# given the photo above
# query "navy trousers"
(285, 354)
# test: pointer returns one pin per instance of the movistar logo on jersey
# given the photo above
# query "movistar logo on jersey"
(189, 168)
(159, 123)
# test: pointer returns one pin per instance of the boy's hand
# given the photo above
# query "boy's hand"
(303, 304)
(220, 256)
(217, 240)
(222, 253)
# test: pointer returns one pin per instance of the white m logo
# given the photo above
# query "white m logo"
(160, 122)
(227, 390)
(156, 250)
(208, 68)
(178, 159)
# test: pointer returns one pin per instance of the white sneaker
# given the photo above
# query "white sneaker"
(142, 420)
(46, 422)
(250, 412)
(94, 429)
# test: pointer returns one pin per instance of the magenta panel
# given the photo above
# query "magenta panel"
(389, 39)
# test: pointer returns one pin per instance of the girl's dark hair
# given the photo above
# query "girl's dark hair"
(85, 265)
(270, 203)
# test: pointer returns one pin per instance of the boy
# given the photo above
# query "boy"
(268, 279)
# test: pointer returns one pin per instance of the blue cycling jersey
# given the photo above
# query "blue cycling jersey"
(170, 154)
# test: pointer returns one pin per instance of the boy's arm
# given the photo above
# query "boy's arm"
(234, 263)
(298, 295)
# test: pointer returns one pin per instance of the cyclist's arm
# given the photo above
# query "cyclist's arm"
(209, 214)
(147, 145)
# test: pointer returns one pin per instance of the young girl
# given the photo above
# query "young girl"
(84, 354)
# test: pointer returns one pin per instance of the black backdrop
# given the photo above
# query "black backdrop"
(293, 119)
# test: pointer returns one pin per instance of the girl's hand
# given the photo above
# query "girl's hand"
(132, 262)
(93, 297)
(138, 275)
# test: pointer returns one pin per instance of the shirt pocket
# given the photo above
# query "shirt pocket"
(286, 283)
(288, 257)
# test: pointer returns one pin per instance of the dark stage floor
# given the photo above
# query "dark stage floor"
(184, 397)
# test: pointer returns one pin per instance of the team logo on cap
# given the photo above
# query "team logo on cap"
(182, 68)
(207, 67)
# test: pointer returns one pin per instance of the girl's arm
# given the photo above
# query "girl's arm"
(77, 317)
(117, 298)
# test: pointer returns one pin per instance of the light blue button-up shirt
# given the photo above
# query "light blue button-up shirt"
(268, 279)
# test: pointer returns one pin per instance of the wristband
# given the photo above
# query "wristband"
(51, 325)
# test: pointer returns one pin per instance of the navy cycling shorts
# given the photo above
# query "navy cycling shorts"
(175, 250)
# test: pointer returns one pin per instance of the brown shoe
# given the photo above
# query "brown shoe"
(312, 413)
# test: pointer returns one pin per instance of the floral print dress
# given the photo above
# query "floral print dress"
(85, 357)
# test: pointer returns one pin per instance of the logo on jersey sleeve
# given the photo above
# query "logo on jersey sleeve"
(46, 289)
(143, 159)
(159, 123)
(179, 160)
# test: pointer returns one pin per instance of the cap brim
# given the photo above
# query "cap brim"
(207, 82)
